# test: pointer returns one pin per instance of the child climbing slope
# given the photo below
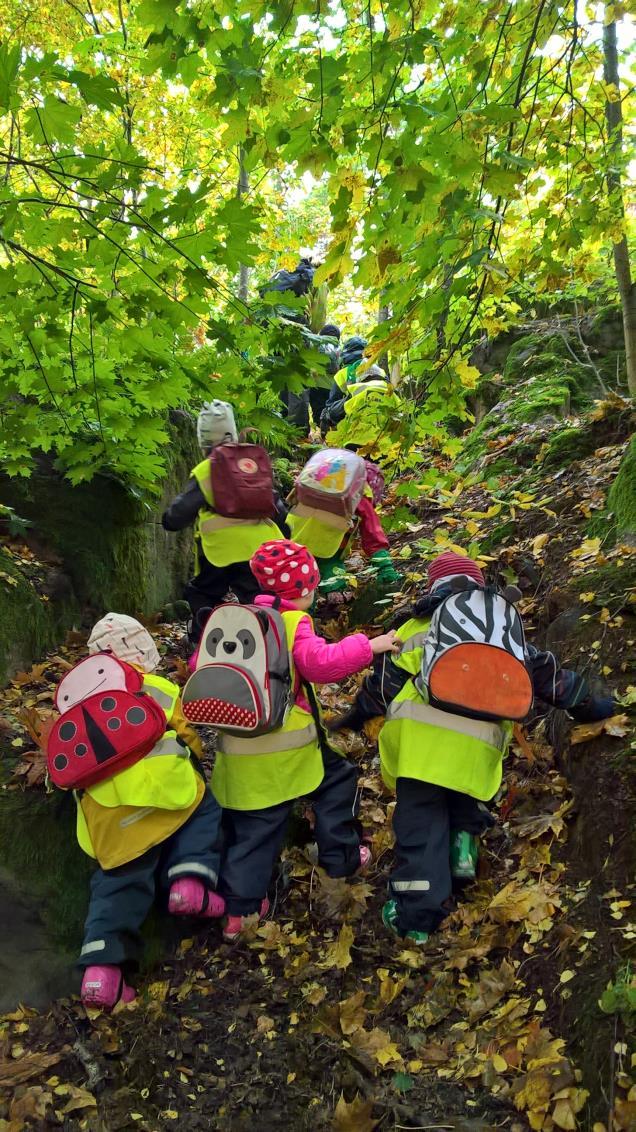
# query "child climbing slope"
(444, 764)
(152, 825)
(257, 780)
(334, 501)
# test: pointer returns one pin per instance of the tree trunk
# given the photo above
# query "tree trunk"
(242, 189)
(614, 119)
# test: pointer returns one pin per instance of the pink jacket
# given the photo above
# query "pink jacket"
(315, 661)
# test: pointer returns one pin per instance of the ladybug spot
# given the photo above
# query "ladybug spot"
(68, 731)
(114, 724)
(136, 715)
(60, 762)
(109, 703)
(81, 750)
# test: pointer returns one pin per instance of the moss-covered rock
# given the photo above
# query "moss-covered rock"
(30, 623)
(622, 494)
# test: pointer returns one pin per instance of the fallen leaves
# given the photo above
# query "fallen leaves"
(617, 725)
(355, 1116)
(15, 1072)
(338, 954)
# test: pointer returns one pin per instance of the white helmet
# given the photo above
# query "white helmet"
(126, 639)
(216, 425)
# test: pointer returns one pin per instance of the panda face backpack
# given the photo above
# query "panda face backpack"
(474, 656)
(242, 682)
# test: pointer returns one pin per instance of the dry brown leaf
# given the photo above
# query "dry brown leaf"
(30, 1105)
(78, 1098)
(15, 1072)
(373, 727)
(264, 1024)
(491, 988)
(352, 1012)
(377, 1044)
(337, 898)
(616, 725)
(389, 988)
(354, 1117)
(37, 724)
(33, 676)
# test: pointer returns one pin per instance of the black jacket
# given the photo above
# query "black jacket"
(184, 509)
(559, 687)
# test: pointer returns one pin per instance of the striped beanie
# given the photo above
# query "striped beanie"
(449, 564)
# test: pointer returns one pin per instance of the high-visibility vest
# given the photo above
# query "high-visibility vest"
(123, 816)
(224, 541)
(251, 774)
(321, 532)
(422, 742)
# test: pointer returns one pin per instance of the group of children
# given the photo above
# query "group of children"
(149, 819)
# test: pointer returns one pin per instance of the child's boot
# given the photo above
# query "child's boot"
(190, 897)
(389, 919)
(103, 987)
(234, 926)
(464, 854)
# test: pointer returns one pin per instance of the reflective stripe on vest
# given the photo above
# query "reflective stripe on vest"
(419, 712)
(168, 746)
(163, 692)
(268, 744)
(327, 517)
(220, 522)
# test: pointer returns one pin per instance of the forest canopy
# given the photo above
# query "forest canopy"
(453, 166)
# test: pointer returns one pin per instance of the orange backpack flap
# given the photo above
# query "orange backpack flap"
(473, 660)
(474, 677)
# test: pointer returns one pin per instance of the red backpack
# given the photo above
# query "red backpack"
(242, 481)
(107, 722)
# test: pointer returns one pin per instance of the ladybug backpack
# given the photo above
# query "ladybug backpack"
(107, 722)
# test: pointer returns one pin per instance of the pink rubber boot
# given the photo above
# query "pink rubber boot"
(365, 857)
(235, 925)
(103, 987)
(190, 897)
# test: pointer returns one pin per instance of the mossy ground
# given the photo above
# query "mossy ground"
(622, 495)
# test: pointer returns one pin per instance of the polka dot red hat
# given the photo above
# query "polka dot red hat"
(285, 569)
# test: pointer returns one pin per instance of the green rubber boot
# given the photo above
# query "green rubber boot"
(386, 575)
(389, 919)
(333, 579)
(464, 854)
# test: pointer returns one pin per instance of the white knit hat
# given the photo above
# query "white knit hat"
(216, 425)
(126, 639)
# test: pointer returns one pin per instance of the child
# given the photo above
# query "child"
(223, 546)
(257, 780)
(153, 824)
(443, 771)
(328, 538)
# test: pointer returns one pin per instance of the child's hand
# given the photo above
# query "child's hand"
(386, 642)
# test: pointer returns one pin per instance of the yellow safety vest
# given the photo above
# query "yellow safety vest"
(321, 532)
(422, 742)
(224, 541)
(251, 774)
(122, 817)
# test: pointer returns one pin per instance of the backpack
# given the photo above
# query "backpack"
(297, 281)
(107, 722)
(376, 482)
(242, 681)
(474, 656)
(333, 480)
(216, 424)
(242, 481)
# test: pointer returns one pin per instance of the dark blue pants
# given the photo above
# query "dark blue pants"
(255, 837)
(121, 898)
(424, 817)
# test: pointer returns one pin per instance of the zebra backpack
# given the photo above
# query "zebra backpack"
(242, 681)
(474, 656)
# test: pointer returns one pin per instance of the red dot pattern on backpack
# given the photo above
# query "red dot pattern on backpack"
(220, 713)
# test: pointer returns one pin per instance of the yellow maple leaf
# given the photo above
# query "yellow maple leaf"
(467, 374)
(338, 954)
(354, 1117)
